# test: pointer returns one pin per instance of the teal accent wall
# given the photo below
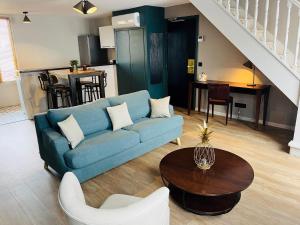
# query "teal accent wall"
(152, 19)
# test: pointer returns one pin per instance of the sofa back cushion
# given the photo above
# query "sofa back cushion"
(137, 103)
(91, 117)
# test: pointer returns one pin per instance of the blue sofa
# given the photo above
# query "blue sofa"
(102, 148)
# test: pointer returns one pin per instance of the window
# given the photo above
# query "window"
(7, 59)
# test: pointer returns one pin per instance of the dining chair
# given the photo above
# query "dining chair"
(118, 209)
(219, 94)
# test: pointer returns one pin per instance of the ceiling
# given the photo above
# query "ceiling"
(65, 6)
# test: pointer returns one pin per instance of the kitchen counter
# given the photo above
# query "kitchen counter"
(34, 98)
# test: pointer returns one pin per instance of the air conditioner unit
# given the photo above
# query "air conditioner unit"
(126, 21)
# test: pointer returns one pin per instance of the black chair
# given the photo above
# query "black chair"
(93, 89)
(54, 91)
(44, 83)
(61, 91)
(219, 94)
(84, 88)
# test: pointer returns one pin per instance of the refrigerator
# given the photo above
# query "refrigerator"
(90, 51)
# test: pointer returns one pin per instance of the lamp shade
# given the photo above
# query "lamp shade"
(248, 64)
(85, 7)
(26, 19)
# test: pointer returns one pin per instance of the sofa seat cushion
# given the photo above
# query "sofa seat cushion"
(91, 117)
(99, 146)
(149, 128)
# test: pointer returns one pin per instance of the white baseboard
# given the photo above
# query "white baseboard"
(294, 148)
(248, 119)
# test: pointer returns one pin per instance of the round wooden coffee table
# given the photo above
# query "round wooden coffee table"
(212, 192)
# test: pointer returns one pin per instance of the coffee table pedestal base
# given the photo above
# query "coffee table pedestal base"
(204, 205)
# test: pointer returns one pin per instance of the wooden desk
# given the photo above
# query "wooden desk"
(74, 81)
(260, 90)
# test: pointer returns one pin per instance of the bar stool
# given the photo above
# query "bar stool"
(59, 91)
(83, 84)
(44, 83)
(93, 89)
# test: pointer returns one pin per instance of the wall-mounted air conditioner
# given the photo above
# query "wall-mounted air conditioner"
(126, 21)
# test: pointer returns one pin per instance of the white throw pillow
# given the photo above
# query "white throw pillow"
(119, 116)
(71, 130)
(160, 107)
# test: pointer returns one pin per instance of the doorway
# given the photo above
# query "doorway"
(182, 57)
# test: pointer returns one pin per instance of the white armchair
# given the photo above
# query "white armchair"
(116, 210)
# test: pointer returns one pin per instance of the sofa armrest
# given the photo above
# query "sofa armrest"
(171, 108)
(56, 145)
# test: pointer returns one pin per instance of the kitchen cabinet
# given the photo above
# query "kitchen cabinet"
(107, 37)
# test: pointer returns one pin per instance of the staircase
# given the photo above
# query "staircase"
(254, 27)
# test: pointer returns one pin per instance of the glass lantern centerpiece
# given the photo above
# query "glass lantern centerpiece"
(204, 154)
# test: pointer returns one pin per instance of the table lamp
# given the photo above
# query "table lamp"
(251, 66)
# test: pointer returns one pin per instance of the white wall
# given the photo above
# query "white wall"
(223, 61)
(48, 41)
(9, 94)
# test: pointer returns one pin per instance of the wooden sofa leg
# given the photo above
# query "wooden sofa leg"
(178, 141)
(45, 166)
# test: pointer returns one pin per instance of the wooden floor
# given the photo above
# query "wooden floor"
(28, 194)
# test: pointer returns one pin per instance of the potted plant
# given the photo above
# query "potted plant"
(74, 65)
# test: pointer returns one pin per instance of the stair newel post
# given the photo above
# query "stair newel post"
(266, 20)
(246, 13)
(255, 17)
(288, 20)
(276, 25)
(228, 5)
(237, 9)
(298, 39)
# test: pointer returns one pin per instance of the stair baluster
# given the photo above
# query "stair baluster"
(298, 39)
(228, 5)
(246, 13)
(237, 9)
(266, 20)
(255, 17)
(288, 20)
(276, 26)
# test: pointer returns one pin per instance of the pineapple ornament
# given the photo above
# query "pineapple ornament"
(204, 154)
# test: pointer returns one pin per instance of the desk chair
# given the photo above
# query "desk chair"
(219, 94)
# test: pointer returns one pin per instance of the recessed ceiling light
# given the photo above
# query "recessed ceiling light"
(85, 7)
(26, 19)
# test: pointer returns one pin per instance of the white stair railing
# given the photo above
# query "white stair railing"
(266, 20)
(276, 26)
(280, 15)
(287, 30)
(246, 13)
(297, 41)
(237, 9)
(255, 17)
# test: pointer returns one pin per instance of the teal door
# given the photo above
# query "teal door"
(137, 57)
(123, 61)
